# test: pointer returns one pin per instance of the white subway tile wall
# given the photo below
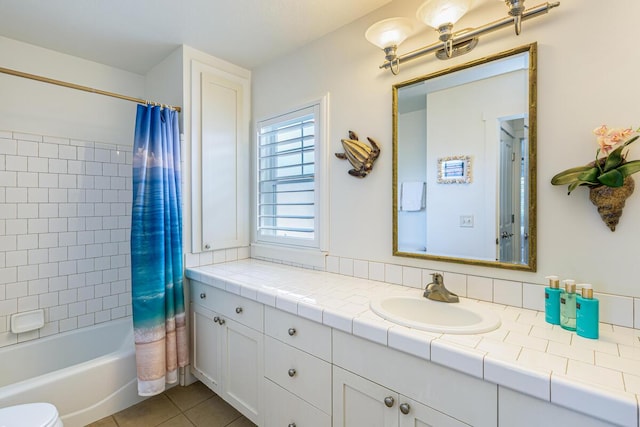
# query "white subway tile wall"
(65, 218)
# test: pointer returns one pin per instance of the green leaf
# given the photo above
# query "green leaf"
(629, 168)
(631, 140)
(576, 184)
(613, 178)
(572, 187)
(574, 174)
(615, 158)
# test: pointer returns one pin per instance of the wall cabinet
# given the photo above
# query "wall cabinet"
(359, 402)
(219, 158)
(228, 349)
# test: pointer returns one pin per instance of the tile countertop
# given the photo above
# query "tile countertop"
(600, 378)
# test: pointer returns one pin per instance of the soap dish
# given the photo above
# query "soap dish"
(27, 321)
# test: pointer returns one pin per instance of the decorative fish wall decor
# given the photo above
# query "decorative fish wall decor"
(360, 155)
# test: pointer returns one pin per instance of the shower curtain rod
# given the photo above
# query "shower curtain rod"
(83, 88)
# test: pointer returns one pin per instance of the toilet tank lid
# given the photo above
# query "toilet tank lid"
(29, 414)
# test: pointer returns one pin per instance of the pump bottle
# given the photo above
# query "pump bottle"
(587, 313)
(552, 300)
(568, 306)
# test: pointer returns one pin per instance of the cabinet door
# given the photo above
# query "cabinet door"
(207, 337)
(283, 409)
(243, 368)
(415, 414)
(219, 159)
(359, 402)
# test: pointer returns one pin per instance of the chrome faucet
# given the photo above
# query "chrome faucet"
(437, 292)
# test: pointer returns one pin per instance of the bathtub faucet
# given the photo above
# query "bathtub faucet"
(437, 292)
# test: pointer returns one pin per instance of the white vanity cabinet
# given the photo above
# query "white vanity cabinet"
(297, 369)
(360, 402)
(227, 347)
(526, 411)
(430, 390)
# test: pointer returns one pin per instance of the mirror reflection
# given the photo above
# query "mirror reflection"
(464, 163)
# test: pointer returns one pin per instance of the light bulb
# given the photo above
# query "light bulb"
(389, 32)
(436, 13)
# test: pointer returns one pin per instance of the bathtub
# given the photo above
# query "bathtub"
(87, 373)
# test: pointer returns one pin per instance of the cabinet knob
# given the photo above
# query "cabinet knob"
(389, 401)
(221, 322)
(292, 372)
(207, 246)
(405, 408)
(216, 319)
(203, 295)
(292, 331)
(238, 310)
(292, 425)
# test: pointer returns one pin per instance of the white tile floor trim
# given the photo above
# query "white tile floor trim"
(600, 378)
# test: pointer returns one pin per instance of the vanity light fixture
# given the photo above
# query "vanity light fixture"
(442, 15)
(387, 35)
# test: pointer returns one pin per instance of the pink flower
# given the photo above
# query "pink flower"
(609, 139)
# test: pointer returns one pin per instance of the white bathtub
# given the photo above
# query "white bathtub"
(87, 373)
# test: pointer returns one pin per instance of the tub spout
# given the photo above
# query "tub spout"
(437, 292)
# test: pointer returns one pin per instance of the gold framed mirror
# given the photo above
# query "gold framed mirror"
(483, 113)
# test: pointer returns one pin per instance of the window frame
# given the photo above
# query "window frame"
(280, 247)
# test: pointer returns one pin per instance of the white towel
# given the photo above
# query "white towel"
(412, 196)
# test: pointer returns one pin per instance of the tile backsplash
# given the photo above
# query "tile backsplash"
(614, 309)
(65, 218)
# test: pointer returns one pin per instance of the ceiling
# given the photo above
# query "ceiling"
(135, 35)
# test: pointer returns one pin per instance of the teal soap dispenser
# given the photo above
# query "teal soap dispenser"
(568, 306)
(552, 300)
(587, 313)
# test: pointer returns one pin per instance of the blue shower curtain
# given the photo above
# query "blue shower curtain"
(156, 250)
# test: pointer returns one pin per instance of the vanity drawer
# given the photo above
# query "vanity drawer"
(283, 409)
(242, 310)
(302, 374)
(304, 334)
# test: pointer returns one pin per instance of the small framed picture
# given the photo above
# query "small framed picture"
(454, 170)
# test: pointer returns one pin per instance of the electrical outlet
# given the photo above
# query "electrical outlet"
(466, 220)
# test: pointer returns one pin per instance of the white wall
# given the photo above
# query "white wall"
(586, 77)
(412, 225)
(41, 108)
(472, 130)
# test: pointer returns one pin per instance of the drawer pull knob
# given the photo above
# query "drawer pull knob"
(405, 408)
(216, 319)
(292, 425)
(207, 246)
(238, 310)
(292, 331)
(221, 322)
(203, 295)
(389, 401)
(292, 372)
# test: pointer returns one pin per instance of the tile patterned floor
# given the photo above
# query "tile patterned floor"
(192, 406)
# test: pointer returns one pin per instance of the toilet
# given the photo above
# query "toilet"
(30, 415)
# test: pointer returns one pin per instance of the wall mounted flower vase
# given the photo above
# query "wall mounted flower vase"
(611, 200)
(608, 176)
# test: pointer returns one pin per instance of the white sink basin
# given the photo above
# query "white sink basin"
(464, 317)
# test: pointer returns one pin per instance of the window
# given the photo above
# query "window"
(289, 176)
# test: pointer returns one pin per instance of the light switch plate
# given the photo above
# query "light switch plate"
(466, 220)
